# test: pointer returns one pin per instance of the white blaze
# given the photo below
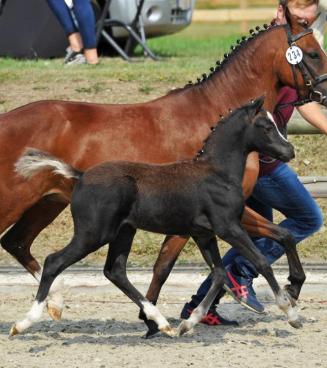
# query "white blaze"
(273, 121)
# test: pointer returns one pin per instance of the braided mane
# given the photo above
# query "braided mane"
(240, 44)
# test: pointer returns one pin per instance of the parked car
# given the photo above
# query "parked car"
(154, 18)
(158, 17)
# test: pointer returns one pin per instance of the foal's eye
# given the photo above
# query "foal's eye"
(314, 54)
(268, 129)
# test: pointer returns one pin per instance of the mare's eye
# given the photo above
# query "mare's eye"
(314, 54)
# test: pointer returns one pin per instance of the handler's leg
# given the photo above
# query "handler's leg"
(282, 191)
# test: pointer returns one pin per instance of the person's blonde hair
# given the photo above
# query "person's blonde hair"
(299, 3)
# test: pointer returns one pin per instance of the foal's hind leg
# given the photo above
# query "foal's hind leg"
(210, 252)
(79, 247)
(115, 271)
(19, 238)
(258, 226)
(238, 238)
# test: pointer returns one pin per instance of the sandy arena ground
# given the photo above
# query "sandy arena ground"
(100, 327)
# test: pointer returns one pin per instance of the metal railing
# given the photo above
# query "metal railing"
(316, 185)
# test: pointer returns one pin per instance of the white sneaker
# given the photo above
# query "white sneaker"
(74, 58)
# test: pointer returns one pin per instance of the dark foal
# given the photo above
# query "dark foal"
(201, 197)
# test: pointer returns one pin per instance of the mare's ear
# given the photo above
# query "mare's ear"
(256, 106)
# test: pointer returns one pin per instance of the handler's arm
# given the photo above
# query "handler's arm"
(313, 114)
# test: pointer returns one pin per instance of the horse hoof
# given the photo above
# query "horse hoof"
(295, 323)
(151, 334)
(183, 328)
(13, 331)
(169, 331)
(54, 313)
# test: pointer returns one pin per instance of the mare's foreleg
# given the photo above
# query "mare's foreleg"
(239, 239)
(115, 271)
(258, 226)
(19, 239)
(210, 252)
(79, 247)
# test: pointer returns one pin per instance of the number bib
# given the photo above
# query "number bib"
(294, 55)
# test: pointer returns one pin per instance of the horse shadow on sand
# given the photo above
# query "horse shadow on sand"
(114, 332)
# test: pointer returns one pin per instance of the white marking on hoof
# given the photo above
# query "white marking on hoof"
(55, 302)
(54, 310)
(32, 316)
(169, 331)
(284, 303)
(184, 327)
(152, 312)
(187, 324)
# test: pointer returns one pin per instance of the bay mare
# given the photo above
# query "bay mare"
(167, 129)
(202, 197)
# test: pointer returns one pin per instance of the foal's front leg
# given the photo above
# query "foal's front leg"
(210, 252)
(115, 271)
(239, 239)
(258, 226)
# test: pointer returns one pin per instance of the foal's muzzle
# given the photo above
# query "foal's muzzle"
(288, 154)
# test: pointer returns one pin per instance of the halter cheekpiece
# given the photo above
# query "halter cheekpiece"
(308, 75)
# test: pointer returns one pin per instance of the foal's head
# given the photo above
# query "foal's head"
(262, 134)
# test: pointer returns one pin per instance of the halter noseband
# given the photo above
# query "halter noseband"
(310, 80)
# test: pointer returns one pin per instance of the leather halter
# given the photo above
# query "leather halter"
(308, 75)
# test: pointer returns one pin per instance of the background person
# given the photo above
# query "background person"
(81, 36)
(278, 187)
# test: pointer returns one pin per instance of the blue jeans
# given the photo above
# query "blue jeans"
(282, 191)
(85, 18)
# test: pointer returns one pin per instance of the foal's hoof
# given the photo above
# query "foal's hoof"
(183, 327)
(54, 311)
(13, 331)
(296, 323)
(151, 334)
(169, 331)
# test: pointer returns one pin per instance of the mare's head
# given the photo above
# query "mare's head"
(302, 63)
(262, 134)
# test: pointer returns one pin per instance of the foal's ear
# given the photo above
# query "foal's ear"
(256, 106)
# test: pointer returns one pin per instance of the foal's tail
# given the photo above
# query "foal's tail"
(34, 161)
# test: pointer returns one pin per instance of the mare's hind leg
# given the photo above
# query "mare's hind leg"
(258, 226)
(79, 247)
(239, 239)
(19, 238)
(169, 252)
(115, 271)
(210, 252)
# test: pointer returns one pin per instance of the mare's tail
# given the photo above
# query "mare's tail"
(34, 161)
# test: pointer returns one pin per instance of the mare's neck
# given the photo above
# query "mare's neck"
(246, 74)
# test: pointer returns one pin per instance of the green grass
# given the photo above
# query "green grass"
(183, 57)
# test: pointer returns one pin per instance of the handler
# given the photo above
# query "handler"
(278, 186)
